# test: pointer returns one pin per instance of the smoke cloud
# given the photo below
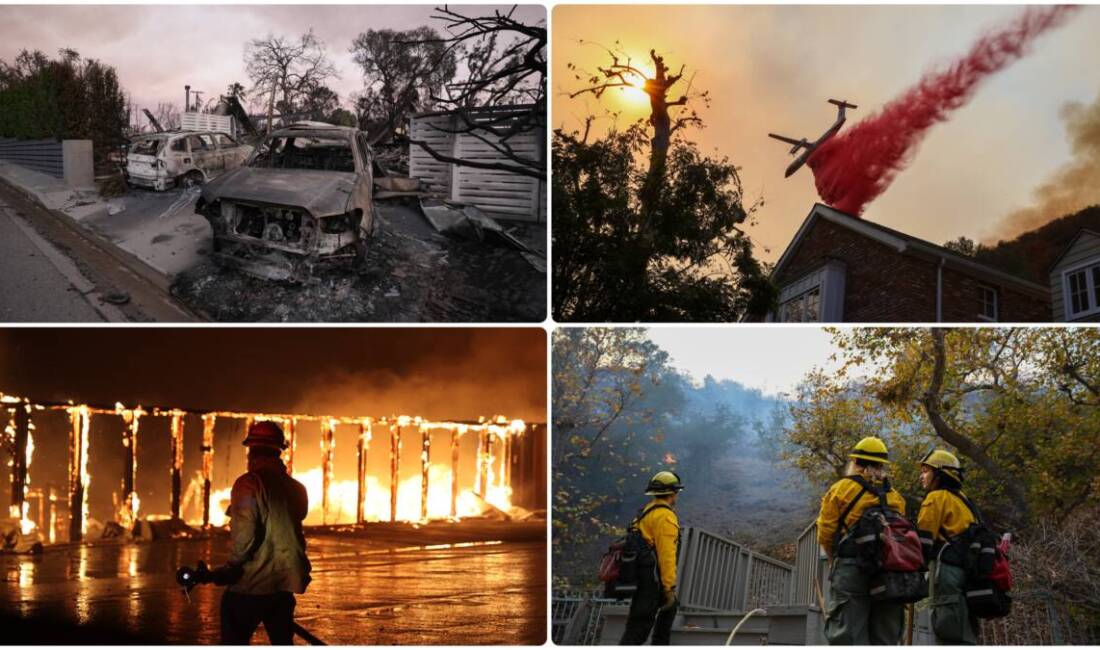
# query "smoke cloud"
(503, 374)
(856, 166)
(1073, 187)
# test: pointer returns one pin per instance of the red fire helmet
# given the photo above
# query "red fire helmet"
(265, 433)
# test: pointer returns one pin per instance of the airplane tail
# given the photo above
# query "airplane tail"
(842, 103)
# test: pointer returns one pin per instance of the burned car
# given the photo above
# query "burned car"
(163, 160)
(301, 201)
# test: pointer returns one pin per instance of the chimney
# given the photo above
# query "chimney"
(187, 98)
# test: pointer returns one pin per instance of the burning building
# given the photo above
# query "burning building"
(406, 468)
(408, 515)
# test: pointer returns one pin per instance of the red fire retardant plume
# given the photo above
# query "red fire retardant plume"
(858, 164)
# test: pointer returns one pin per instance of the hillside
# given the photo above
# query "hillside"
(1031, 255)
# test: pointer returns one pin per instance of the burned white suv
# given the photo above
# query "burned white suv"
(163, 160)
(301, 201)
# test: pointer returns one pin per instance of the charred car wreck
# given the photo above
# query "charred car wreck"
(162, 160)
(302, 201)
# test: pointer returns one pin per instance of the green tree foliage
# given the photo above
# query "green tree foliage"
(685, 259)
(402, 72)
(320, 103)
(604, 385)
(63, 98)
(1021, 407)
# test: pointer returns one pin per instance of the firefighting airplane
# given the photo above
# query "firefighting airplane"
(810, 146)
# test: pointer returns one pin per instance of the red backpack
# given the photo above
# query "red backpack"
(888, 547)
(626, 558)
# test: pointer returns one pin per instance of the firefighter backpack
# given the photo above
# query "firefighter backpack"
(988, 573)
(626, 558)
(887, 546)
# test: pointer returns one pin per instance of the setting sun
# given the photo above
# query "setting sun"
(634, 95)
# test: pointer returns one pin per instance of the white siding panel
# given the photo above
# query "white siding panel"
(1085, 250)
(496, 192)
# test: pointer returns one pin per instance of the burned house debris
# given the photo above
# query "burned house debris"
(302, 200)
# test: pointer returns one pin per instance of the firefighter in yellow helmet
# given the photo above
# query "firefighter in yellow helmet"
(944, 515)
(653, 607)
(852, 618)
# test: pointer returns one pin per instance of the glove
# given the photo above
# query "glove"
(226, 574)
(669, 600)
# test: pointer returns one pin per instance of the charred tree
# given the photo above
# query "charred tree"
(281, 64)
(507, 70)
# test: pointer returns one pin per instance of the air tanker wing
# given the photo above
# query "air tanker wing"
(809, 147)
(800, 143)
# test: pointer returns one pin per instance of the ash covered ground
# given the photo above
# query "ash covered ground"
(412, 274)
(378, 586)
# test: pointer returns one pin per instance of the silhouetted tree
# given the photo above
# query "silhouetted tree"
(402, 72)
(279, 64)
(663, 243)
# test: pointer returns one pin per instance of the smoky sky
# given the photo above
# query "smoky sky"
(448, 373)
(157, 49)
(1021, 145)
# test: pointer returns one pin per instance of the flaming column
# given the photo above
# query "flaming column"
(177, 461)
(479, 482)
(395, 464)
(490, 462)
(456, 433)
(290, 427)
(328, 449)
(506, 470)
(364, 447)
(79, 419)
(208, 421)
(425, 452)
(19, 430)
(132, 420)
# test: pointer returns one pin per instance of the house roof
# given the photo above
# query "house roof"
(1072, 242)
(906, 244)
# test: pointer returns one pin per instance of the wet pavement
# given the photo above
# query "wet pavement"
(363, 592)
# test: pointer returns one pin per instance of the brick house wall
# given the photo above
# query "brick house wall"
(883, 285)
(961, 301)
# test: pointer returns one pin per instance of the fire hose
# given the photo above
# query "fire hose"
(744, 618)
(189, 578)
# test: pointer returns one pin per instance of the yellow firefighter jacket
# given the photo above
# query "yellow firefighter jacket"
(661, 530)
(836, 500)
(943, 512)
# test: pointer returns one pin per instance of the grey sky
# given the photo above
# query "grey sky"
(159, 48)
(771, 358)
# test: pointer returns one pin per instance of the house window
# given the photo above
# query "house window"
(803, 308)
(1082, 291)
(987, 307)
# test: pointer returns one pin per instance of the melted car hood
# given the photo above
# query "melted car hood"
(321, 193)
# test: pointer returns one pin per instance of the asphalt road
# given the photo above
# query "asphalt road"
(363, 592)
(32, 286)
(114, 285)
